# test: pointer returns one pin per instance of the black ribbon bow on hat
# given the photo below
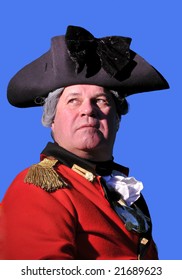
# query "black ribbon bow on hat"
(110, 53)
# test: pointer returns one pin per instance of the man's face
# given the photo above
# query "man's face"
(86, 122)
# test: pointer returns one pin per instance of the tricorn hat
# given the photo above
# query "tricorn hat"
(79, 58)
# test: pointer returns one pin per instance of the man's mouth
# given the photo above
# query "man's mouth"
(96, 126)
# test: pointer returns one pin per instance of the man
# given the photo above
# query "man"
(77, 203)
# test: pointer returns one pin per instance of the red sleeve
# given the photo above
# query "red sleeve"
(37, 225)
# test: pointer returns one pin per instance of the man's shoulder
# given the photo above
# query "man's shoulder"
(44, 175)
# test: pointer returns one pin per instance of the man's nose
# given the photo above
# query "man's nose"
(88, 108)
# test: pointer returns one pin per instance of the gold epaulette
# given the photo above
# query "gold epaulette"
(44, 175)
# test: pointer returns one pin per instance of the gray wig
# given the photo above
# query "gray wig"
(49, 108)
(50, 104)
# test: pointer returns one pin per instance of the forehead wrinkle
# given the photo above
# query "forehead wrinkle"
(103, 93)
(73, 93)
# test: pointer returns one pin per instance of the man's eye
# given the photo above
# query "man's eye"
(73, 101)
(102, 101)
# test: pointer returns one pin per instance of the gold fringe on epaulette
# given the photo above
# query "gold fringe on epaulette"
(43, 175)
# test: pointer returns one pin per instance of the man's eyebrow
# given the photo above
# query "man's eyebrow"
(107, 95)
(102, 94)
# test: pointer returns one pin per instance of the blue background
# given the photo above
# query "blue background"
(149, 140)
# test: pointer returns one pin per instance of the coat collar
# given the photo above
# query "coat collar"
(69, 159)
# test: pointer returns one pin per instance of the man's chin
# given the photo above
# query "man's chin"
(91, 143)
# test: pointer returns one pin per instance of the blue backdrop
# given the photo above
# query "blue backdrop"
(149, 140)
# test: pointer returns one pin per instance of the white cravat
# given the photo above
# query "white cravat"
(128, 187)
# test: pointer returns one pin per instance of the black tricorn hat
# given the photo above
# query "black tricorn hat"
(80, 58)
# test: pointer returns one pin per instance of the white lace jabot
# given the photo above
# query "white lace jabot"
(128, 187)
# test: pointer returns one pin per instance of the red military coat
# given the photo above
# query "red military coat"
(75, 222)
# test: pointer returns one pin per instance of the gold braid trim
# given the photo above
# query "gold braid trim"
(43, 175)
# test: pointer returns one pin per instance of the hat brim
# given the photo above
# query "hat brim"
(55, 69)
